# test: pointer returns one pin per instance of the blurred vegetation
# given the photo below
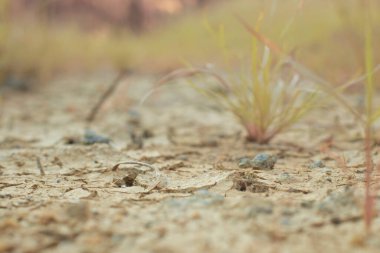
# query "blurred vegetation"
(324, 35)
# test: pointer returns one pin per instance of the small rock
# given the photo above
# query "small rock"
(285, 178)
(316, 164)
(245, 163)
(263, 161)
(91, 137)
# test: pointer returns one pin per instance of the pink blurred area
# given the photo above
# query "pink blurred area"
(136, 15)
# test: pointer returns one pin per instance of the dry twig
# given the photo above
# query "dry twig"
(39, 166)
(94, 111)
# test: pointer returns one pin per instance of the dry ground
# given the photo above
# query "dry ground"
(73, 202)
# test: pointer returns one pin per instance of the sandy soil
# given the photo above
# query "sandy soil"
(59, 195)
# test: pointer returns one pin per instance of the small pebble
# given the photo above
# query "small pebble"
(316, 164)
(91, 137)
(285, 178)
(263, 161)
(245, 163)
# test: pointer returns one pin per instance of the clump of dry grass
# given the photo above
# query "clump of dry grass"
(264, 98)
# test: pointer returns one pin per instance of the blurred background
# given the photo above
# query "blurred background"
(45, 39)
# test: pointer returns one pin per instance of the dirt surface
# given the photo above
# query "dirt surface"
(58, 193)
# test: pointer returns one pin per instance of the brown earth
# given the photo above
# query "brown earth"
(60, 195)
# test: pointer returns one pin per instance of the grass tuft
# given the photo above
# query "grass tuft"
(267, 97)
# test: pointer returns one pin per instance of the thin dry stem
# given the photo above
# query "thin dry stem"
(40, 167)
(181, 73)
(94, 111)
(369, 199)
